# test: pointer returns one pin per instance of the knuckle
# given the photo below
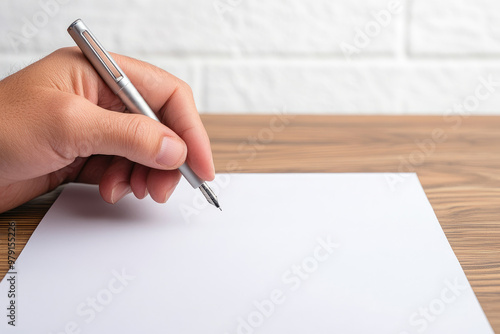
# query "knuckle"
(185, 88)
(72, 52)
(68, 139)
(136, 127)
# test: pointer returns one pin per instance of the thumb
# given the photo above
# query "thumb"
(135, 137)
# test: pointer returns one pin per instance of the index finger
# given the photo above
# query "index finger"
(172, 100)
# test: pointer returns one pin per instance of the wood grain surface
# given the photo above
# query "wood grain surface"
(457, 160)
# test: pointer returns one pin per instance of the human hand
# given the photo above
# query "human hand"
(59, 122)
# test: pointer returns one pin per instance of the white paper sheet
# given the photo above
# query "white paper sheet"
(290, 253)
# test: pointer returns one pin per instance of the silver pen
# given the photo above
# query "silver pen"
(120, 84)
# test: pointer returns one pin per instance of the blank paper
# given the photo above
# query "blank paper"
(289, 253)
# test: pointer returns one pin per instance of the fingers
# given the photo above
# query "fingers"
(122, 177)
(187, 125)
(161, 184)
(173, 100)
(94, 169)
(138, 181)
(115, 182)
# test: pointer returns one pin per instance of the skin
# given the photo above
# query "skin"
(60, 123)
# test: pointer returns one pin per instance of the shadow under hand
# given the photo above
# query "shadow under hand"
(84, 202)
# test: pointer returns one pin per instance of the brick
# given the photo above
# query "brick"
(198, 27)
(454, 27)
(259, 56)
(367, 88)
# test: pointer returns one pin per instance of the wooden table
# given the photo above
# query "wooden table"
(457, 160)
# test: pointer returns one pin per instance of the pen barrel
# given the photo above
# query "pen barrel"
(190, 176)
(133, 100)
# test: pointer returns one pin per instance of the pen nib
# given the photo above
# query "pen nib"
(210, 195)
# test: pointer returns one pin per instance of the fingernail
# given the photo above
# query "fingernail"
(169, 193)
(171, 152)
(120, 191)
(146, 193)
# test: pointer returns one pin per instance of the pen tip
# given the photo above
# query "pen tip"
(209, 195)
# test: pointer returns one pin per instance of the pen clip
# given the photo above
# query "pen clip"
(103, 56)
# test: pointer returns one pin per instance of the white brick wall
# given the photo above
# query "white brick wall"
(298, 56)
